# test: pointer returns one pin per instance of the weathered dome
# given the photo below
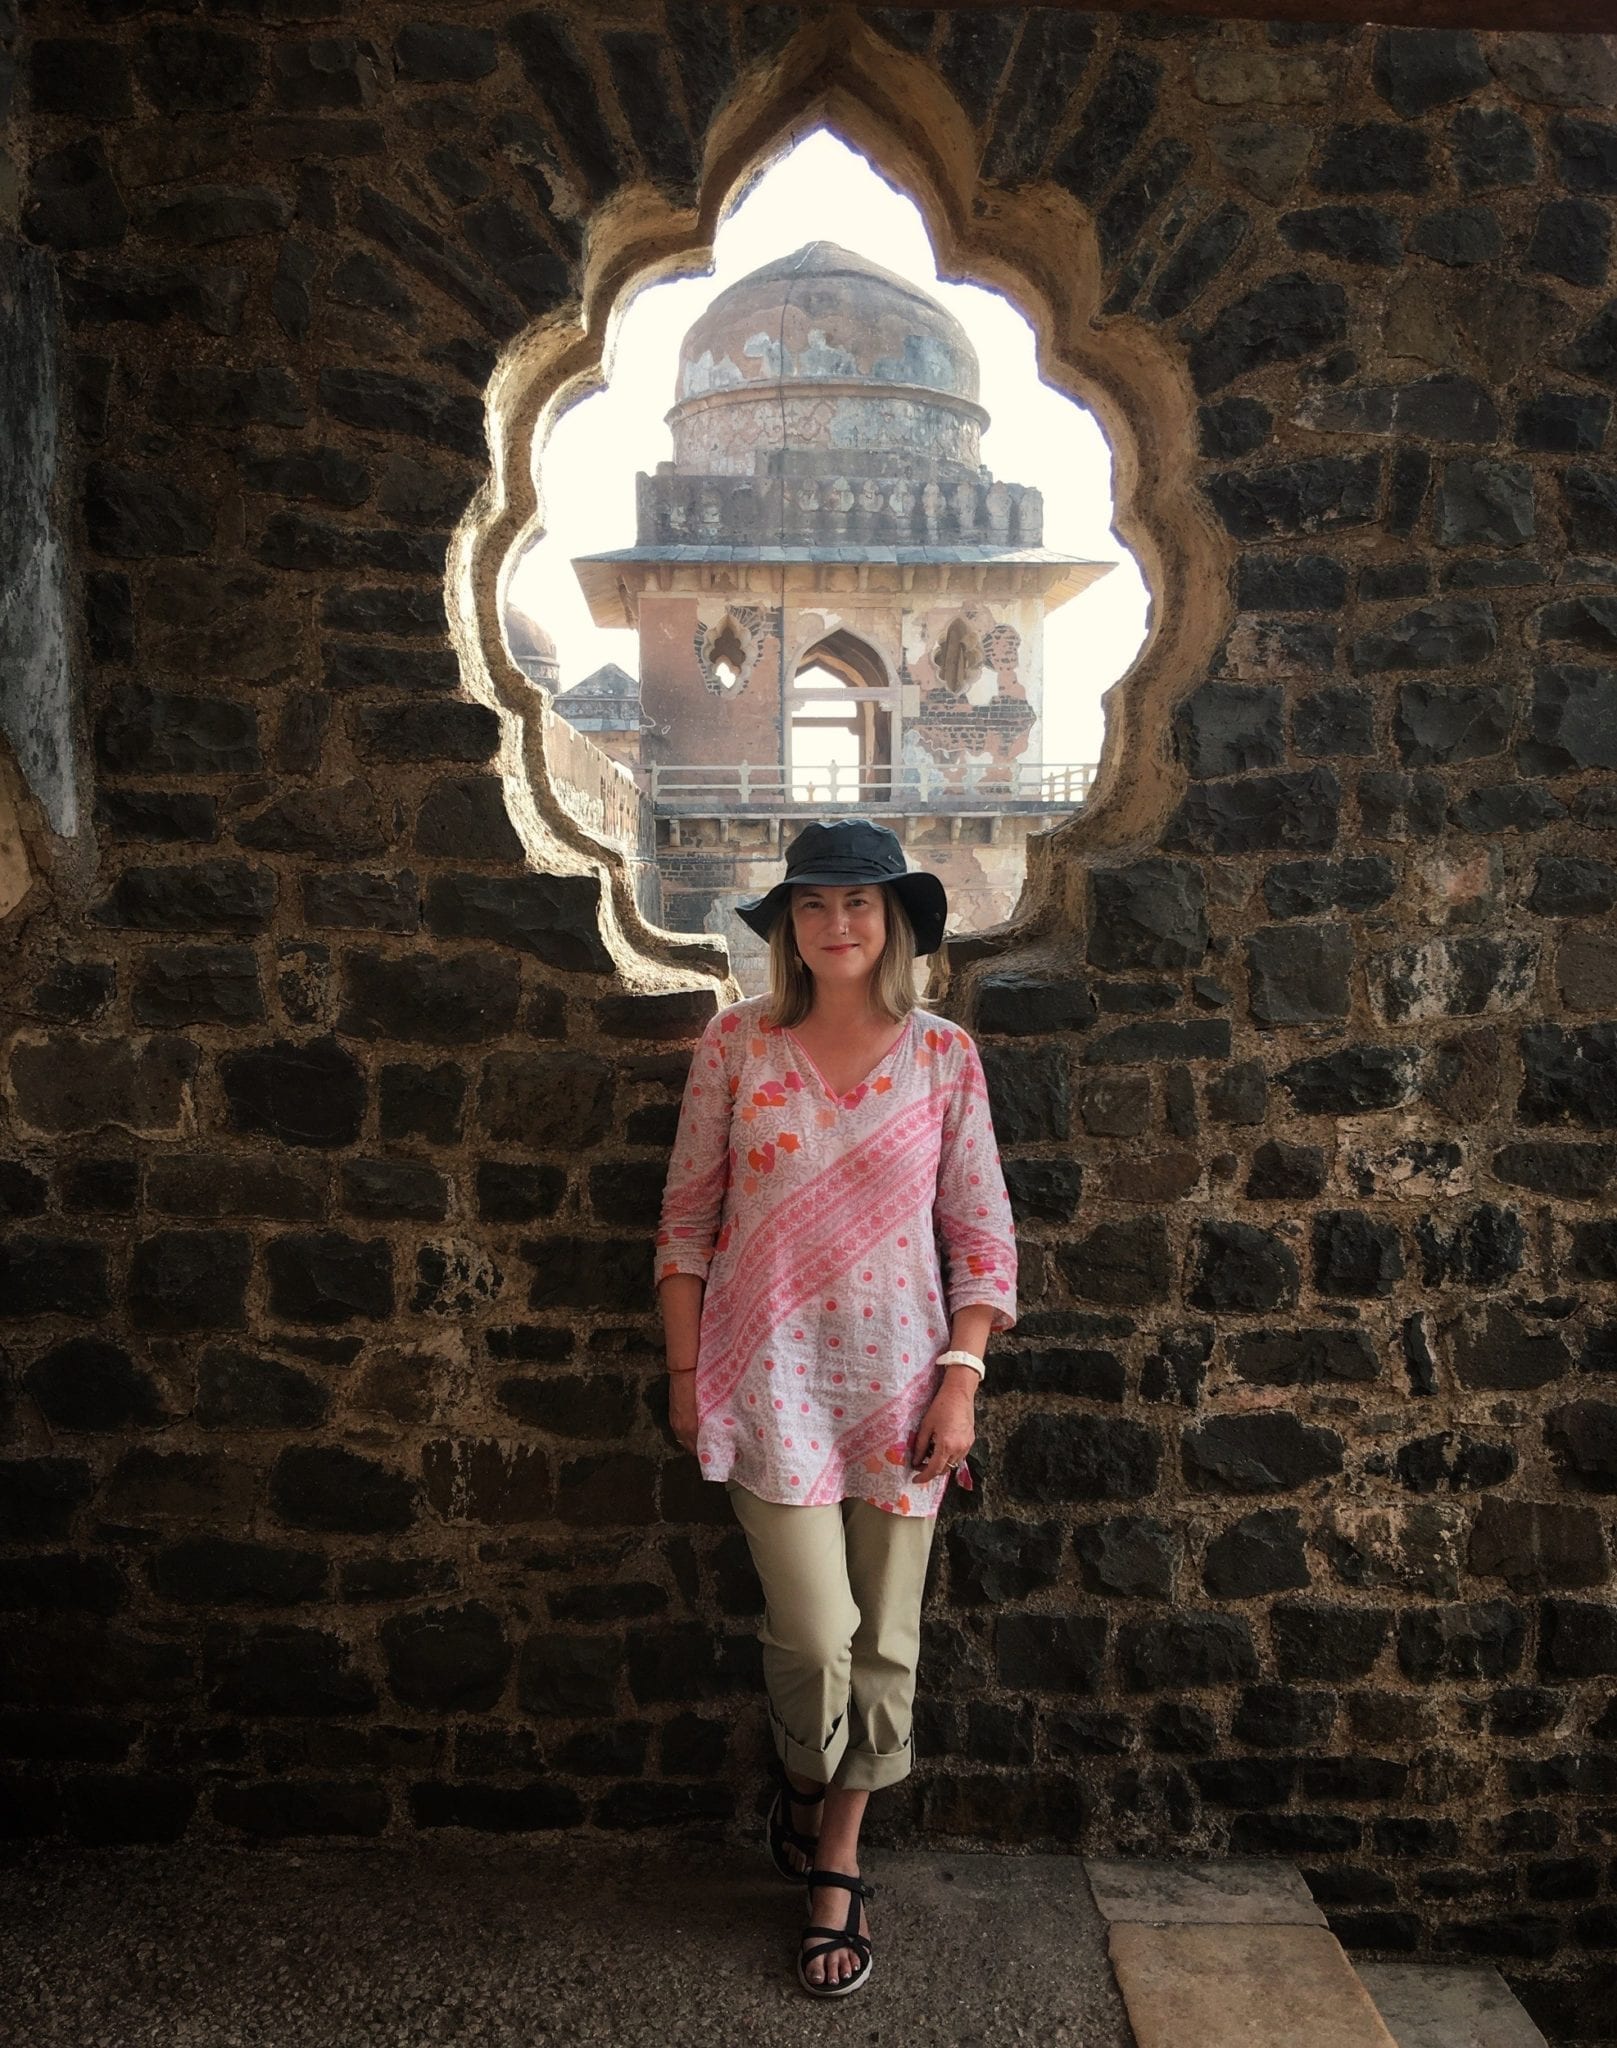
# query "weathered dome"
(825, 315)
(824, 350)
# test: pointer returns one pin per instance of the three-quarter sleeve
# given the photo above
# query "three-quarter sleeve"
(973, 1211)
(699, 1170)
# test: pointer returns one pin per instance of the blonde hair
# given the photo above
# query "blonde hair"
(791, 986)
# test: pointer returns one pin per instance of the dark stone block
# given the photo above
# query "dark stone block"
(1459, 236)
(1406, 493)
(1282, 1172)
(1030, 1093)
(190, 1280)
(1316, 1641)
(324, 1277)
(100, 1187)
(1507, 807)
(1238, 1095)
(1484, 503)
(1452, 723)
(1058, 1653)
(1347, 234)
(153, 732)
(1135, 1044)
(215, 1571)
(459, 999)
(1417, 69)
(546, 1100)
(73, 199)
(1226, 729)
(1050, 62)
(993, 1562)
(1135, 1556)
(1590, 507)
(1399, 806)
(1185, 1650)
(199, 896)
(1569, 1076)
(1483, 1248)
(275, 1669)
(1041, 1190)
(1305, 888)
(134, 516)
(1283, 583)
(1577, 1172)
(595, 1273)
(510, 1193)
(1152, 913)
(1491, 146)
(324, 1486)
(422, 1102)
(362, 902)
(390, 403)
(1241, 1268)
(197, 985)
(1280, 321)
(39, 1497)
(554, 917)
(1456, 632)
(1317, 494)
(1357, 1078)
(1300, 1358)
(1354, 1255)
(90, 1384)
(1463, 1463)
(1586, 152)
(1482, 1639)
(1578, 1639)
(1262, 1453)
(1299, 974)
(1571, 240)
(310, 1093)
(1197, 259)
(553, 68)
(239, 1389)
(1536, 1545)
(465, 818)
(447, 1659)
(1284, 813)
(444, 53)
(569, 1676)
(1232, 428)
(198, 70)
(393, 1189)
(1261, 1553)
(1573, 720)
(1279, 1717)
(1065, 1457)
(1115, 118)
(1123, 1265)
(1375, 156)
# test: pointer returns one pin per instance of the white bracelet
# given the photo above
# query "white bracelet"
(962, 1358)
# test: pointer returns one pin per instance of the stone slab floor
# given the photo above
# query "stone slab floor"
(640, 1944)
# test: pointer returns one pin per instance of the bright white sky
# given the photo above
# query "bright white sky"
(822, 190)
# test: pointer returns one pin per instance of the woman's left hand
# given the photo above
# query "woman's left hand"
(949, 1427)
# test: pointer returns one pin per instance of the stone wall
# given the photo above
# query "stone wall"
(335, 1498)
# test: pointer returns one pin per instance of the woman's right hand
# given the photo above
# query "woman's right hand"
(682, 1408)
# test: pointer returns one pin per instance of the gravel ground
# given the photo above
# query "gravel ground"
(638, 1944)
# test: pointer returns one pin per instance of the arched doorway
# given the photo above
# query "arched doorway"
(840, 723)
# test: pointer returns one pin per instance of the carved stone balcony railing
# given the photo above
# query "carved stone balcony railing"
(753, 789)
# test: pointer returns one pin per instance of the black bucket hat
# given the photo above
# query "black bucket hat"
(854, 850)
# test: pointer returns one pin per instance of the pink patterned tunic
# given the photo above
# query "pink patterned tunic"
(811, 1218)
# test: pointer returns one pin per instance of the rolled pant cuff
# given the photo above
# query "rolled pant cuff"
(819, 1764)
(868, 1770)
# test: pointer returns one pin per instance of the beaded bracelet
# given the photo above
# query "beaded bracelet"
(963, 1358)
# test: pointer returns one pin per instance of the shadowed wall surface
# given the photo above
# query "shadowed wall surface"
(340, 1073)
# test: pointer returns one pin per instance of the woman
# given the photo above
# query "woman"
(821, 1366)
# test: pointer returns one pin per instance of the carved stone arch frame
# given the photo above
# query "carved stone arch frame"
(1037, 246)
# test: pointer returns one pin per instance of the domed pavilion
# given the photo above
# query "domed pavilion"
(839, 608)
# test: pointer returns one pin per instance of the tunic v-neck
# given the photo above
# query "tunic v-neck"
(849, 1096)
(817, 1222)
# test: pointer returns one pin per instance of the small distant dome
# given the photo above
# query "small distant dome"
(532, 649)
(824, 314)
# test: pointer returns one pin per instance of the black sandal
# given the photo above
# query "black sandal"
(847, 1936)
(781, 1835)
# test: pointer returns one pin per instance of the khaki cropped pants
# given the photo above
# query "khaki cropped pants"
(841, 1633)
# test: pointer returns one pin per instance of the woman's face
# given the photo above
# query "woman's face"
(840, 932)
